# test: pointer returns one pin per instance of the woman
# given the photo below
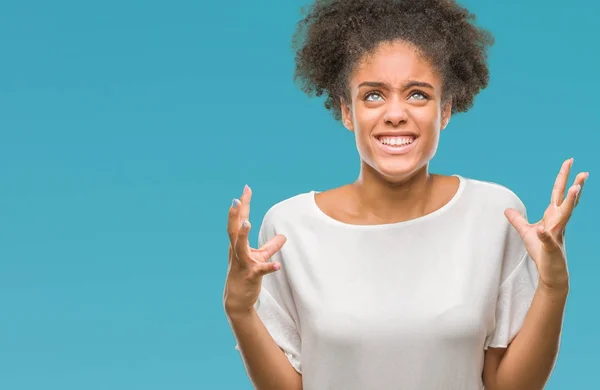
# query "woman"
(402, 279)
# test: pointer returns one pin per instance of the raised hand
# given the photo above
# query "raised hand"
(544, 240)
(247, 265)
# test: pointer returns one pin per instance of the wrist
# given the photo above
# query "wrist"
(553, 291)
(237, 313)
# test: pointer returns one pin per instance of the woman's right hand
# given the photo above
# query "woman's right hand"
(247, 265)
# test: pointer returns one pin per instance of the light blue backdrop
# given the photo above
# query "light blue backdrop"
(126, 128)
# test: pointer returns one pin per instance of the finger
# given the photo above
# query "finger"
(241, 247)
(230, 255)
(582, 183)
(265, 252)
(233, 223)
(566, 209)
(517, 220)
(558, 191)
(573, 194)
(546, 237)
(245, 204)
(262, 269)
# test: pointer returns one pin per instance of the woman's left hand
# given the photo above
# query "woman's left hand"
(544, 240)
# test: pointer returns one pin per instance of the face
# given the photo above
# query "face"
(396, 111)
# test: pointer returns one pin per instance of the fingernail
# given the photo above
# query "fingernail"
(276, 266)
(246, 189)
(235, 203)
(244, 224)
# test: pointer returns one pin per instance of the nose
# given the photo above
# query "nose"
(395, 114)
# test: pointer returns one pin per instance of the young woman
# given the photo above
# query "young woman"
(403, 279)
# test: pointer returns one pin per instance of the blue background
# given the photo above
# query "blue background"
(126, 128)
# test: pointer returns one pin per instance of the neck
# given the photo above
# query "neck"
(390, 202)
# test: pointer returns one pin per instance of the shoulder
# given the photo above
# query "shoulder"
(486, 203)
(288, 211)
(492, 195)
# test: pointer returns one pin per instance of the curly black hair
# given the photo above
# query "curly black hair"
(333, 36)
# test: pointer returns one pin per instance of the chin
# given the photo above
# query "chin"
(394, 167)
(396, 171)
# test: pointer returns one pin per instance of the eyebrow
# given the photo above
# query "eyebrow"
(410, 84)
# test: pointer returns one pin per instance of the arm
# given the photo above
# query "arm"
(529, 359)
(266, 363)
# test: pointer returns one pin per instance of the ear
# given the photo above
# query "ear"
(446, 113)
(346, 115)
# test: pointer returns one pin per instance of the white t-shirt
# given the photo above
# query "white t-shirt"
(409, 305)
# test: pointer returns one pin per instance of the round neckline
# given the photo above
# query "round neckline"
(321, 214)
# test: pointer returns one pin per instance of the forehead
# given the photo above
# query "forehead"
(395, 63)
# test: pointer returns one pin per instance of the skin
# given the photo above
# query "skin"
(394, 188)
(266, 364)
(528, 361)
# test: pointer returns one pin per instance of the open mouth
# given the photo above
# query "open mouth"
(397, 144)
(396, 141)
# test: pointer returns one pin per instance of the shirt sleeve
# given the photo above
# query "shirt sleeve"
(516, 291)
(514, 299)
(275, 305)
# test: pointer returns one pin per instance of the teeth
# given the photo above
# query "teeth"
(397, 141)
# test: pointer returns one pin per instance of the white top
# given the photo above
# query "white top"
(409, 305)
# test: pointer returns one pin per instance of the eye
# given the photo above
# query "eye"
(418, 95)
(373, 96)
